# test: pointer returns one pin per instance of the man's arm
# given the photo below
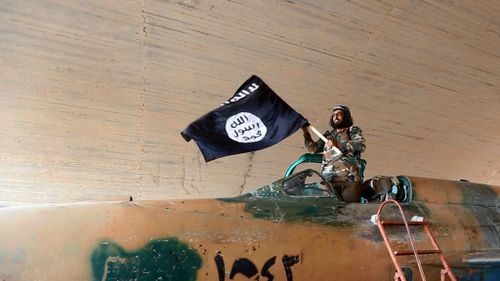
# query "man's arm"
(311, 146)
(357, 143)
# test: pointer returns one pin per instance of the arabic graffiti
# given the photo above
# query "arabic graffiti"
(163, 259)
(247, 268)
(244, 127)
(288, 262)
(243, 266)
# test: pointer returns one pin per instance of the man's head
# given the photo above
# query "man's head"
(341, 117)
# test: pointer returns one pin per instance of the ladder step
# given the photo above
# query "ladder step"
(402, 223)
(420, 252)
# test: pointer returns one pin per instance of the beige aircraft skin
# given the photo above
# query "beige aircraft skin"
(265, 235)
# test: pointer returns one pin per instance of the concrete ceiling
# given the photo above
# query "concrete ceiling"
(95, 94)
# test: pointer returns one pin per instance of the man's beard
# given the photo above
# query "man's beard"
(343, 124)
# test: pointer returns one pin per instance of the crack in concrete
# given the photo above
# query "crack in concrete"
(356, 58)
(246, 175)
(183, 178)
(142, 104)
(198, 160)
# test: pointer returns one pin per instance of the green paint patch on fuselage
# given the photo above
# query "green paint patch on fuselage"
(315, 210)
(163, 259)
(272, 203)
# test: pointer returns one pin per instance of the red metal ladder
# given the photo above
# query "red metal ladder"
(399, 275)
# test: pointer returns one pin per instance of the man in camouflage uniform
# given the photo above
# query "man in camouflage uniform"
(344, 173)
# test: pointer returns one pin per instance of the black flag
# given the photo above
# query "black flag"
(253, 118)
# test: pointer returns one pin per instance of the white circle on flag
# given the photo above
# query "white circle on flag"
(244, 127)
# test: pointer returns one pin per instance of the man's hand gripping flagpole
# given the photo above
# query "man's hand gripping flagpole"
(334, 151)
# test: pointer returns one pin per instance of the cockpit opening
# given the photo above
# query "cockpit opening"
(310, 183)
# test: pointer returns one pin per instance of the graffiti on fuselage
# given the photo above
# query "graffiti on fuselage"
(171, 259)
(249, 269)
(162, 259)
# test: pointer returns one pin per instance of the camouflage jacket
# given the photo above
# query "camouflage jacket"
(347, 168)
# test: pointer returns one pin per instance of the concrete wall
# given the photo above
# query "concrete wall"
(94, 94)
